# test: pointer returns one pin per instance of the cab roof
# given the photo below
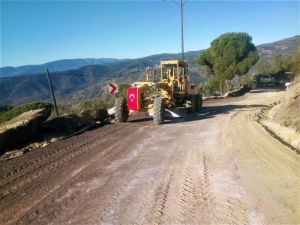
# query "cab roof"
(176, 63)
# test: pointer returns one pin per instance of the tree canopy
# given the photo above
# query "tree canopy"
(277, 68)
(229, 55)
(296, 65)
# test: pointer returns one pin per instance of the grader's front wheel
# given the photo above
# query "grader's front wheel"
(198, 102)
(159, 110)
(190, 104)
(121, 110)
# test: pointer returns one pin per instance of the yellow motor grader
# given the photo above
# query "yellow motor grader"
(172, 93)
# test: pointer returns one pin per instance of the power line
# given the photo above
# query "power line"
(16, 77)
(82, 75)
(86, 75)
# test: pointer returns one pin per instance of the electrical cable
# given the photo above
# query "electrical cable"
(52, 74)
(172, 26)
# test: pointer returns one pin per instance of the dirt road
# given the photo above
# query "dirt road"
(215, 167)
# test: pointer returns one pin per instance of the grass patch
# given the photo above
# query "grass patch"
(15, 112)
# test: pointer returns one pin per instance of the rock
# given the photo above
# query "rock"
(35, 145)
(111, 111)
(54, 140)
(45, 144)
(11, 154)
(238, 92)
(22, 128)
(296, 143)
(95, 114)
(66, 123)
(226, 94)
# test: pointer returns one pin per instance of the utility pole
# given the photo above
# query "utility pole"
(181, 25)
(51, 91)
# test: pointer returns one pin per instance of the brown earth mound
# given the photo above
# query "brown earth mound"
(283, 117)
(22, 127)
(288, 112)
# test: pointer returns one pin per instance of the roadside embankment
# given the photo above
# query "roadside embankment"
(282, 118)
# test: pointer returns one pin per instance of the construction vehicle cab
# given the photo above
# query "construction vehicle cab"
(173, 93)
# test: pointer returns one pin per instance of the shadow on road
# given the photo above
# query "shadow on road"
(210, 112)
(207, 112)
(267, 89)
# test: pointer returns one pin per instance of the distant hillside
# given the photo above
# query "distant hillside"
(59, 65)
(90, 81)
(82, 83)
(23, 89)
(285, 47)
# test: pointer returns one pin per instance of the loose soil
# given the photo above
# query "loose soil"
(217, 166)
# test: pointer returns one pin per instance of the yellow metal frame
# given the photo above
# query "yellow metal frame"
(175, 82)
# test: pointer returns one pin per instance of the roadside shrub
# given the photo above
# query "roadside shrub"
(14, 112)
(106, 101)
(248, 80)
(123, 90)
(5, 108)
(208, 88)
(86, 104)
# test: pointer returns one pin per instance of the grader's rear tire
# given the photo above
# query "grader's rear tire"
(159, 110)
(198, 102)
(121, 110)
(190, 104)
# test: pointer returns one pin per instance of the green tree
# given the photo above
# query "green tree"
(288, 63)
(86, 104)
(123, 89)
(263, 67)
(277, 66)
(248, 80)
(295, 68)
(281, 66)
(208, 88)
(229, 55)
(5, 108)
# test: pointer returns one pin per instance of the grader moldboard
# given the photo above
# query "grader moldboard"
(173, 93)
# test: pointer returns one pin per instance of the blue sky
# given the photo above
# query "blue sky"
(36, 32)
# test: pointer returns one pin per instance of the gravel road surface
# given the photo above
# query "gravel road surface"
(217, 166)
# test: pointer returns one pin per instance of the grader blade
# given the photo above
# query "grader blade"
(174, 112)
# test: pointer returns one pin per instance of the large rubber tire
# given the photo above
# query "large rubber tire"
(159, 110)
(198, 102)
(121, 110)
(190, 104)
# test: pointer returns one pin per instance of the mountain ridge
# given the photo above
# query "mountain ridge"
(55, 66)
(90, 81)
(67, 64)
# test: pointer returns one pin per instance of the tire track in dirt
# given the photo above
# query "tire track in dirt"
(220, 200)
(153, 178)
(160, 197)
(32, 160)
(42, 165)
(187, 200)
(200, 171)
(36, 180)
(272, 169)
(113, 209)
(184, 189)
(226, 202)
(205, 197)
(117, 184)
